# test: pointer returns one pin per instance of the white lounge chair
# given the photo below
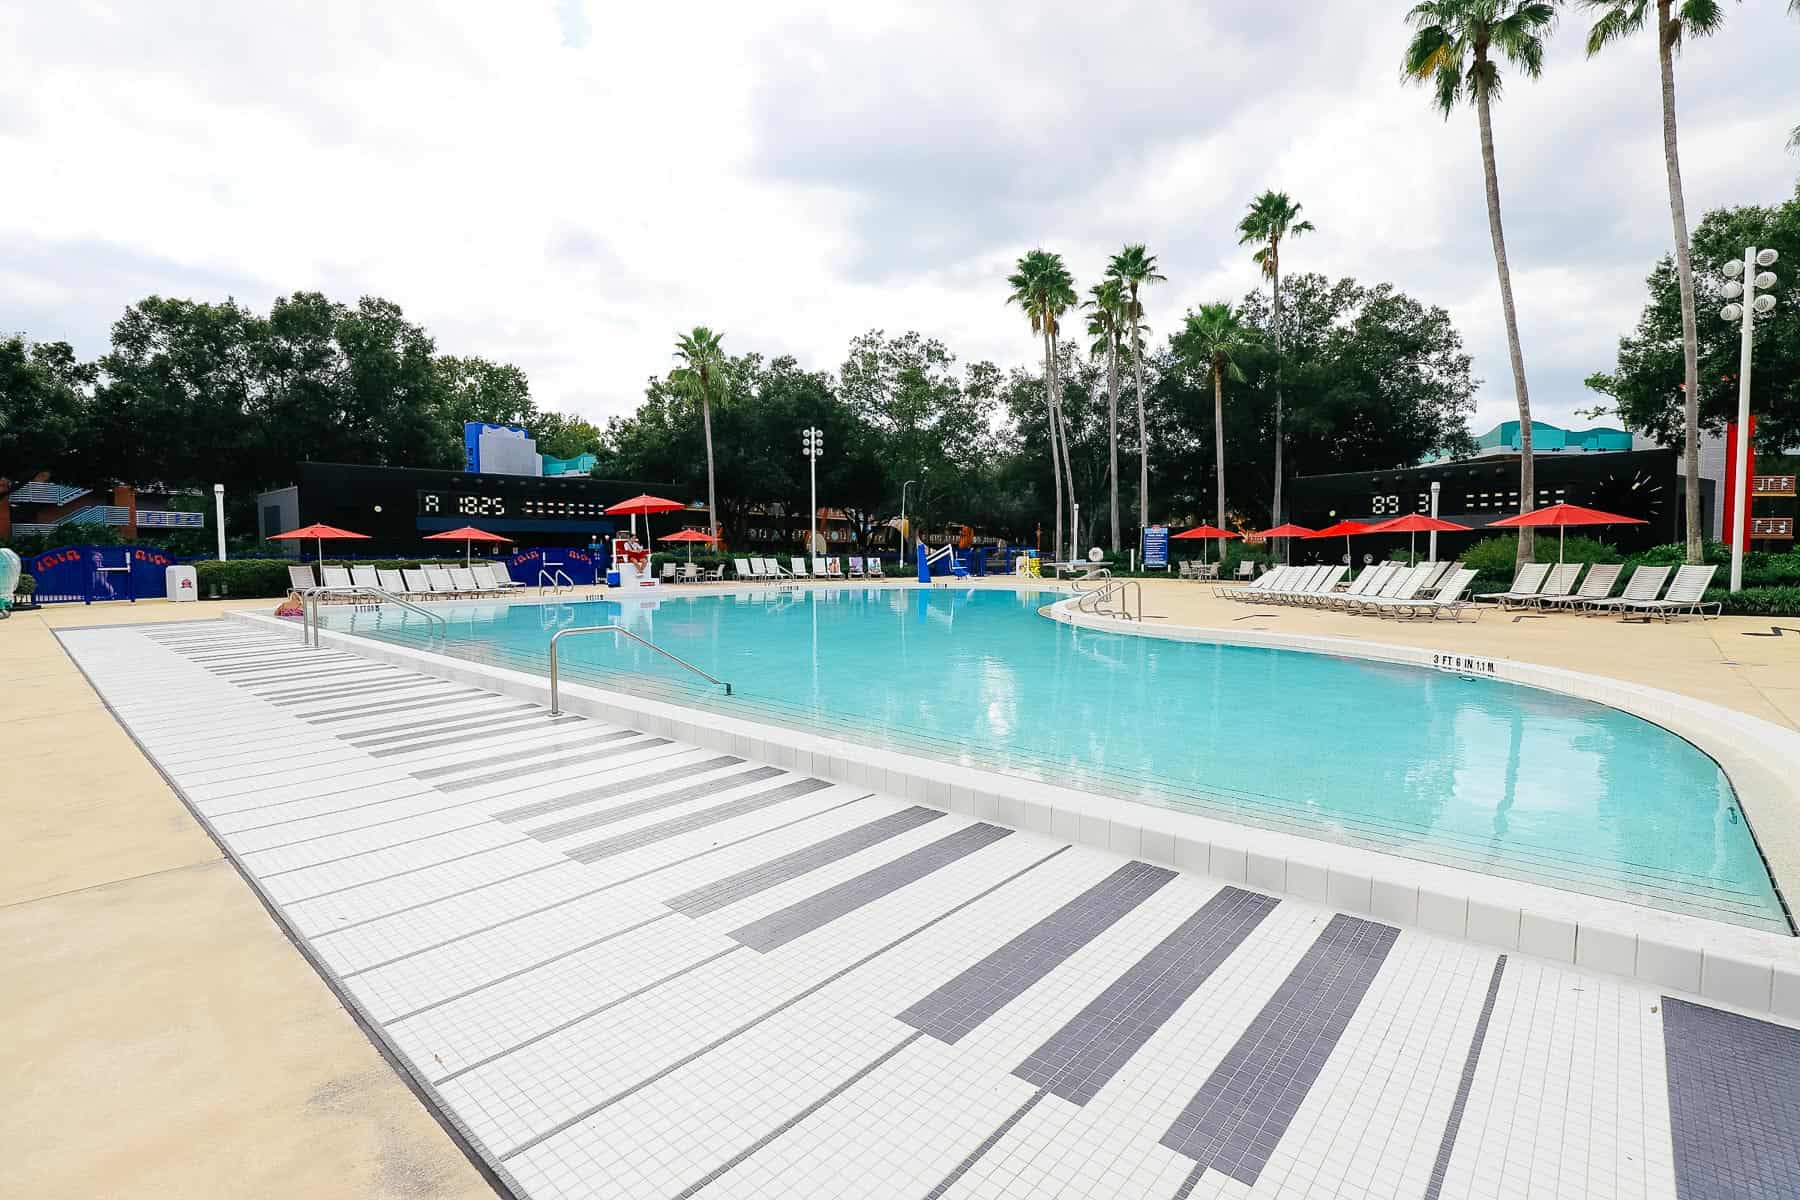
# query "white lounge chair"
(1253, 592)
(1246, 569)
(668, 572)
(1685, 594)
(440, 581)
(391, 581)
(1646, 583)
(1558, 584)
(833, 568)
(1449, 599)
(1393, 599)
(1306, 584)
(364, 577)
(873, 569)
(1365, 584)
(818, 568)
(493, 577)
(464, 580)
(1321, 587)
(797, 566)
(300, 578)
(743, 569)
(1527, 583)
(1597, 586)
(335, 577)
(417, 584)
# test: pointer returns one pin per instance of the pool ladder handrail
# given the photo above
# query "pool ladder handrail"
(559, 635)
(555, 580)
(309, 608)
(1090, 601)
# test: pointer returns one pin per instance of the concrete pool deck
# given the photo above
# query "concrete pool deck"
(278, 1091)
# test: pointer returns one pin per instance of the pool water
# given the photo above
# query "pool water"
(1471, 773)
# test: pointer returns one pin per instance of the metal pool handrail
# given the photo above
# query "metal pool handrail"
(1090, 601)
(309, 608)
(559, 635)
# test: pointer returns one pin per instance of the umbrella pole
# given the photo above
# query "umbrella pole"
(1562, 532)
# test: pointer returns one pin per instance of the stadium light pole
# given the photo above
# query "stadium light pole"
(904, 528)
(219, 516)
(812, 444)
(1741, 285)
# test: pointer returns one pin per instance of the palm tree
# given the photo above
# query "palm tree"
(1135, 268)
(700, 376)
(1106, 308)
(1043, 287)
(1272, 217)
(1619, 19)
(1452, 49)
(1214, 337)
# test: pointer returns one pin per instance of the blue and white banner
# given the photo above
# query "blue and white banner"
(1156, 546)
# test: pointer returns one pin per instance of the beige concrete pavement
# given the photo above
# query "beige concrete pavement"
(163, 1038)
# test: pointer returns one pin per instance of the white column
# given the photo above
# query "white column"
(219, 516)
(1740, 520)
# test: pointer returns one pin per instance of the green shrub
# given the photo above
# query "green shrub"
(27, 587)
(1759, 601)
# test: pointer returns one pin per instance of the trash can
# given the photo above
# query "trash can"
(179, 583)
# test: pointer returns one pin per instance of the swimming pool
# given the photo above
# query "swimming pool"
(1471, 773)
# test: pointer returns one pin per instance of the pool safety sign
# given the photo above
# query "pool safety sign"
(1463, 664)
(1156, 547)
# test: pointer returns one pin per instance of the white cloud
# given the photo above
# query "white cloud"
(565, 184)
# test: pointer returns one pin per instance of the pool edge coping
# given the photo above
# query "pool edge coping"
(1750, 969)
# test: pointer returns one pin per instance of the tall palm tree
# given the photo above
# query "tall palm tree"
(1043, 287)
(1452, 49)
(1214, 337)
(1106, 320)
(1271, 218)
(700, 376)
(1617, 20)
(1136, 268)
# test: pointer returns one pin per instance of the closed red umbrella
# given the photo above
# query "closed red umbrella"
(466, 535)
(1563, 516)
(319, 533)
(1343, 529)
(1415, 524)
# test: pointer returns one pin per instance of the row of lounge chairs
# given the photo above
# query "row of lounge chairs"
(1431, 590)
(432, 583)
(767, 570)
(1390, 589)
(1542, 586)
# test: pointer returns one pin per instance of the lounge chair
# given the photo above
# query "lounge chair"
(818, 568)
(1646, 583)
(1387, 579)
(1322, 587)
(1306, 584)
(833, 568)
(300, 579)
(742, 567)
(853, 569)
(1398, 596)
(1685, 594)
(1449, 599)
(1597, 586)
(1254, 591)
(467, 584)
(1364, 584)
(441, 583)
(1246, 569)
(364, 577)
(391, 581)
(1557, 585)
(1527, 583)
(335, 577)
(668, 572)
(490, 576)
(1439, 572)
(416, 582)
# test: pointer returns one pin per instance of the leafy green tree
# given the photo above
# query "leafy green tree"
(1453, 51)
(1214, 339)
(1271, 219)
(1135, 267)
(1644, 383)
(1043, 287)
(1106, 318)
(44, 393)
(1675, 22)
(563, 436)
(700, 377)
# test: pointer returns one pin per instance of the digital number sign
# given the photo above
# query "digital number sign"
(434, 503)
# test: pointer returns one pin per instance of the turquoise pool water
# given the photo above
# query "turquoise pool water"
(1472, 773)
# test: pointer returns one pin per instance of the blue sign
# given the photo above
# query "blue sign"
(1156, 546)
(85, 574)
(472, 431)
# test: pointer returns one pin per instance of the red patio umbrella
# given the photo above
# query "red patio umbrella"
(319, 533)
(1284, 532)
(645, 504)
(690, 536)
(466, 535)
(1210, 533)
(1563, 516)
(1343, 529)
(1415, 524)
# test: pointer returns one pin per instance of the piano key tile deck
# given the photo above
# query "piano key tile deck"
(623, 966)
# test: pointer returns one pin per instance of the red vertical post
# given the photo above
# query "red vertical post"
(1735, 487)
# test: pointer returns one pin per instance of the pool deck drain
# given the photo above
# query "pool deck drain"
(593, 1030)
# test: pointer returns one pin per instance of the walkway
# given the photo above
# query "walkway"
(630, 967)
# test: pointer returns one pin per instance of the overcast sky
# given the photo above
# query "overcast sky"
(566, 184)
